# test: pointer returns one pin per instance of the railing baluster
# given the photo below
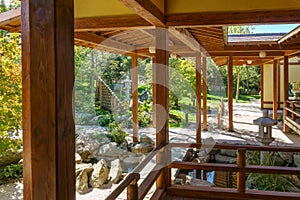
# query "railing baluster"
(241, 175)
(132, 190)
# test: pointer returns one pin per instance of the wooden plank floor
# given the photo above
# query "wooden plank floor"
(172, 197)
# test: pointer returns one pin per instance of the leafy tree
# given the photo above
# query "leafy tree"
(10, 83)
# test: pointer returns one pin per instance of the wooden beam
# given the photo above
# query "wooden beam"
(184, 36)
(111, 23)
(269, 54)
(198, 98)
(204, 92)
(230, 93)
(275, 91)
(10, 16)
(104, 42)
(135, 97)
(289, 35)
(48, 83)
(147, 10)
(233, 18)
(263, 47)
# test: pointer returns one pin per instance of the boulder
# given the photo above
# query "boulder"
(11, 157)
(297, 160)
(199, 182)
(78, 159)
(224, 159)
(100, 174)
(111, 151)
(286, 156)
(147, 139)
(227, 152)
(82, 173)
(130, 162)
(86, 146)
(115, 172)
(141, 148)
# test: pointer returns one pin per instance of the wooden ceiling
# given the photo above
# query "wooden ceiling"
(188, 32)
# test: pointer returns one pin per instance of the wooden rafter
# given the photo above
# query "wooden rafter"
(186, 37)
(246, 54)
(233, 18)
(147, 10)
(110, 23)
(10, 16)
(104, 42)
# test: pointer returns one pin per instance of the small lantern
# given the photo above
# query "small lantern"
(265, 124)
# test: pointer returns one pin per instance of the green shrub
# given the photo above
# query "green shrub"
(10, 172)
(263, 181)
(118, 135)
(105, 117)
(145, 117)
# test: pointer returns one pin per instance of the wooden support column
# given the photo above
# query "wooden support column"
(262, 86)
(278, 85)
(198, 97)
(48, 81)
(286, 89)
(204, 91)
(229, 94)
(153, 93)
(161, 95)
(135, 100)
(275, 91)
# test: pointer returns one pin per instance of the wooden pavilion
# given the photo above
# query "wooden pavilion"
(183, 27)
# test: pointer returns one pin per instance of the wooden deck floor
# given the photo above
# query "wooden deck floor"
(172, 197)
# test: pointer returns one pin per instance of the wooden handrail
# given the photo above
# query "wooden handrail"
(293, 112)
(127, 181)
(285, 148)
(135, 192)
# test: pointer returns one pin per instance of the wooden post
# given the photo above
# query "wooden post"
(275, 91)
(135, 100)
(198, 97)
(241, 176)
(278, 85)
(153, 93)
(262, 86)
(161, 95)
(230, 95)
(204, 91)
(132, 190)
(48, 81)
(286, 89)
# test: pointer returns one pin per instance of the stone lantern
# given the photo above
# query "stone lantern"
(265, 124)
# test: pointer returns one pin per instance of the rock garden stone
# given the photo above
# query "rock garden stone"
(100, 174)
(78, 159)
(147, 139)
(83, 171)
(11, 157)
(286, 156)
(111, 151)
(86, 145)
(199, 182)
(115, 172)
(297, 160)
(227, 152)
(141, 148)
(224, 159)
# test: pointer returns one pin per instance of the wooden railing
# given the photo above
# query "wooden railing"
(291, 113)
(135, 192)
